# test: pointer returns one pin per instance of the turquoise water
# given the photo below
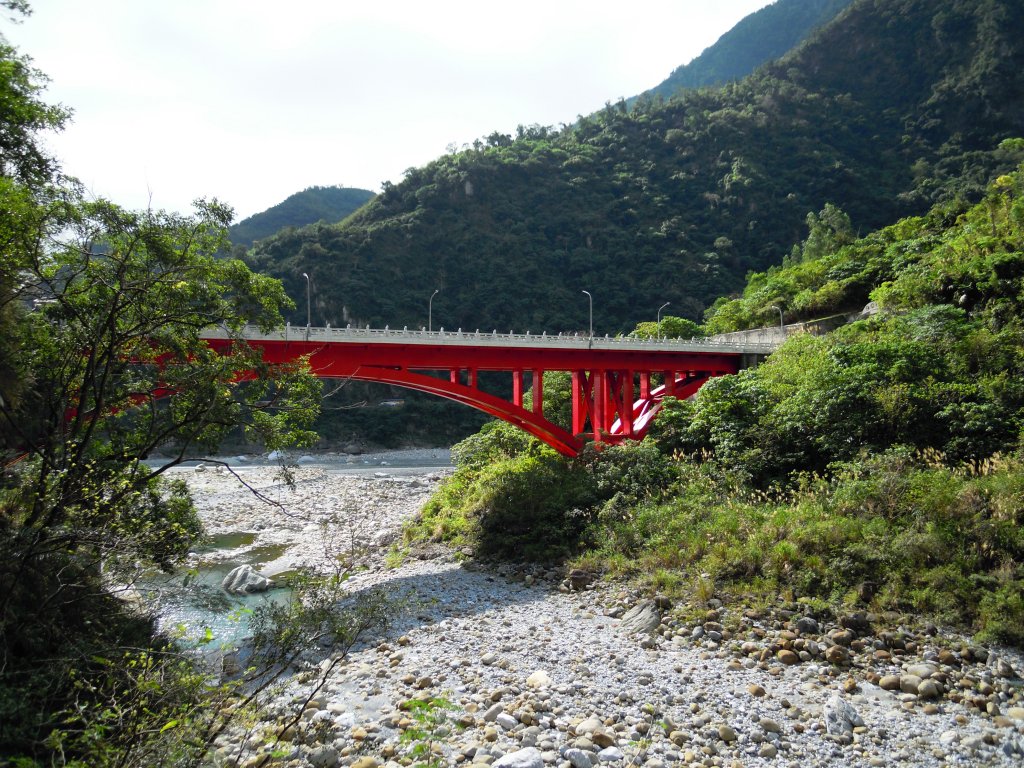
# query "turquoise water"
(191, 604)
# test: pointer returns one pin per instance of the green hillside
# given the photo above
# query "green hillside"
(762, 36)
(309, 206)
(895, 106)
(878, 467)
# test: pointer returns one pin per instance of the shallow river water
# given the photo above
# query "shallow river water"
(329, 489)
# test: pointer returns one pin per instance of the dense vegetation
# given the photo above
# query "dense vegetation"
(330, 204)
(762, 36)
(893, 107)
(896, 105)
(101, 364)
(878, 465)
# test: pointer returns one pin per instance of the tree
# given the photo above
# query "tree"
(116, 369)
(827, 232)
(101, 363)
(23, 116)
(670, 327)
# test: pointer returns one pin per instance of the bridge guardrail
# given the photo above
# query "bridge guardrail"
(483, 338)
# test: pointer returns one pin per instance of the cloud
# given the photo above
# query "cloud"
(250, 100)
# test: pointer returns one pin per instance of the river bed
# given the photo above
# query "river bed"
(541, 674)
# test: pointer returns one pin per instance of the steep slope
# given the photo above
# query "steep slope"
(678, 201)
(309, 206)
(762, 36)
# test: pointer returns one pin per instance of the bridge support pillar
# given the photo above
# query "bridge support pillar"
(670, 383)
(581, 399)
(517, 387)
(538, 392)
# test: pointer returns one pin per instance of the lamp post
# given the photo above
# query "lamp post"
(308, 315)
(782, 325)
(430, 310)
(659, 317)
(590, 301)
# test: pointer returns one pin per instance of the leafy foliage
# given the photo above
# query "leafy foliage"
(101, 311)
(878, 464)
(939, 369)
(832, 273)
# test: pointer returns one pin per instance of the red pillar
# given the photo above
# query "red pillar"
(626, 405)
(538, 392)
(670, 383)
(598, 402)
(517, 387)
(580, 401)
(645, 385)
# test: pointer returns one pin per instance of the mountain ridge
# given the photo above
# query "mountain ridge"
(764, 35)
(313, 204)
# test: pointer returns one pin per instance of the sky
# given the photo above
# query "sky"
(250, 101)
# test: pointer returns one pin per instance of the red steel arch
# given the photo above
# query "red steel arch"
(613, 397)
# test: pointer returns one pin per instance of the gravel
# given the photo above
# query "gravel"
(539, 670)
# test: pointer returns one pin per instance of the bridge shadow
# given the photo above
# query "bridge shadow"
(419, 594)
(436, 590)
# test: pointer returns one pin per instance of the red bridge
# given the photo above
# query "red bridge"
(614, 395)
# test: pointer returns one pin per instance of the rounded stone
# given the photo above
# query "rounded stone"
(788, 657)
(323, 757)
(929, 689)
(837, 654)
(909, 683)
(889, 683)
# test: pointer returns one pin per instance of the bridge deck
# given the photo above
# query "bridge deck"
(460, 338)
(617, 383)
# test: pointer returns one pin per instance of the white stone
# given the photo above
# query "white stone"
(244, 580)
(524, 758)
(538, 679)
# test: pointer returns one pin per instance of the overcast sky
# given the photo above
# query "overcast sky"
(250, 101)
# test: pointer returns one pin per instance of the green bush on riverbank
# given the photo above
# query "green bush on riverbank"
(879, 465)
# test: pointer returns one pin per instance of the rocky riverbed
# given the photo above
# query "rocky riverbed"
(543, 670)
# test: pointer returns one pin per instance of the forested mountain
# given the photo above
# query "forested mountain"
(762, 36)
(331, 204)
(894, 106)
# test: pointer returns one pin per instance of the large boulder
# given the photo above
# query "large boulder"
(840, 717)
(642, 618)
(244, 580)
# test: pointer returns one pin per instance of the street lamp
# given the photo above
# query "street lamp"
(590, 300)
(659, 317)
(782, 325)
(308, 316)
(430, 310)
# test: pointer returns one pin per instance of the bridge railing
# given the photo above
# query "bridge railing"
(477, 337)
